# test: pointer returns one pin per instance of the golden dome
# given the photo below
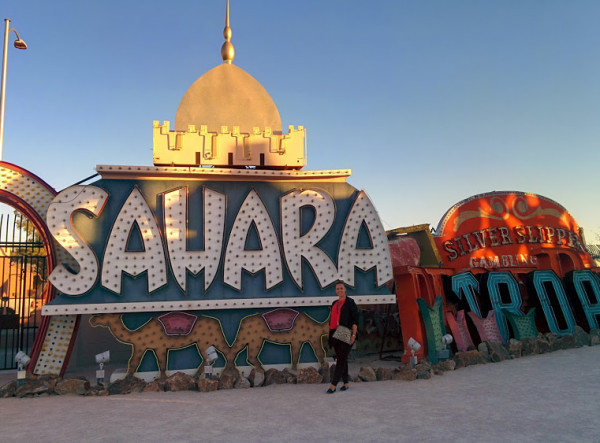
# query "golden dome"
(227, 96)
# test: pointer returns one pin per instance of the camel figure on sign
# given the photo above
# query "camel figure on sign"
(153, 336)
(254, 330)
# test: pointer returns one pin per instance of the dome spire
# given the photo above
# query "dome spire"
(227, 50)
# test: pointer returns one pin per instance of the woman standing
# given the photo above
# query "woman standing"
(344, 312)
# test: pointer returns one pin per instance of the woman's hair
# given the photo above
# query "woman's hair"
(340, 282)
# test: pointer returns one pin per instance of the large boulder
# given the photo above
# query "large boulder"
(515, 348)
(384, 374)
(404, 373)
(180, 382)
(564, 342)
(309, 376)
(126, 385)
(274, 377)
(207, 384)
(229, 377)
(581, 337)
(468, 358)
(529, 346)
(367, 373)
(72, 386)
(256, 377)
(497, 352)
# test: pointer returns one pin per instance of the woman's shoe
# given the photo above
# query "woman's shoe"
(344, 388)
(330, 391)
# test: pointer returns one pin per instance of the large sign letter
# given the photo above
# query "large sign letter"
(297, 246)
(118, 259)
(58, 218)
(363, 213)
(267, 257)
(176, 211)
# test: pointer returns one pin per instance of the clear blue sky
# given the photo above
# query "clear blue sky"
(428, 102)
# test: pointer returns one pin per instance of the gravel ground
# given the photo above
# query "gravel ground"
(541, 398)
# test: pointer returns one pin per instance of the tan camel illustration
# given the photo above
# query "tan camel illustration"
(254, 331)
(206, 331)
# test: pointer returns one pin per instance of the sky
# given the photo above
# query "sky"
(427, 102)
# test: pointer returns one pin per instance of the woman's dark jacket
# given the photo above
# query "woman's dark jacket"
(349, 313)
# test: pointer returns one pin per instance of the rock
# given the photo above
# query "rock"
(180, 382)
(384, 374)
(404, 373)
(273, 376)
(483, 349)
(497, 352)
(290, 375)
(256, 377)
(309, 376)
(445, 366)
(31, 387)
(242, 383)
(544, 343)
(515, 348)
(229, 377)
(581, 337)
(529, 346)
(9, 389)
(424, 375)
(126, 385)
(366, 373)
(468, 358)
(564, 342)
(207, 384)
(73, 386)
(154, 386)
(594, 337)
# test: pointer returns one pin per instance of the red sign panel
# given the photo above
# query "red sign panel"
(507, 229)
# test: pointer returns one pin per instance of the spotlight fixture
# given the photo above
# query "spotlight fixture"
(444, 354)
(414, 346)
(103, 357)
(211, 357)
(22, 361)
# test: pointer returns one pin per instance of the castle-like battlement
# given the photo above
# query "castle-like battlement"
(229, 148)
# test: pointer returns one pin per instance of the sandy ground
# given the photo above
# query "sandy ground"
(551, 398)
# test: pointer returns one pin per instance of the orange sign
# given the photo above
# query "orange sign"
(507, 229)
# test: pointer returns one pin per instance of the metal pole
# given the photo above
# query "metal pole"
(3, 90)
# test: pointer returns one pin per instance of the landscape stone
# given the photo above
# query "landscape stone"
(581, 337)
(468, 358)
(515, 348)
(366, 373)
(256, 377)
(384, 374)
(73, 386)
(594, 337)
(564, 342)
(529, 346)
(309, 376)
(497, 352)
(207, 385)
(229, 377)
(126, 385)
(404, 373)
(180, 382)
(274, 377)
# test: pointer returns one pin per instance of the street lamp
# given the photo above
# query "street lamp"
(19, 44)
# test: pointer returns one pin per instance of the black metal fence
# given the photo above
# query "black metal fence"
(23, 276)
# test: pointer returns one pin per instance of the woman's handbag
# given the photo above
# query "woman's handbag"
(342, 333)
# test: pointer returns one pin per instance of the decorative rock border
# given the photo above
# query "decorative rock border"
(487, 352)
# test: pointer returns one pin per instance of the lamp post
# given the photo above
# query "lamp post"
(19, 44)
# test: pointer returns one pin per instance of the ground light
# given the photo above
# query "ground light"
(444, 354)
(211, 357)
(414, 346)
(22, 360)
(101, 358)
